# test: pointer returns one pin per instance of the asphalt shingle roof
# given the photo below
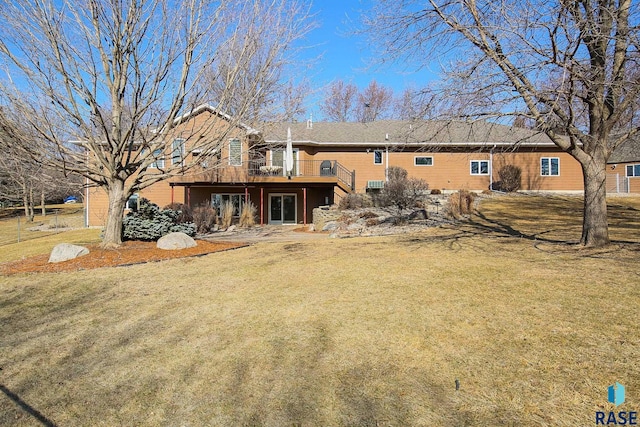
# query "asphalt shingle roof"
(391, 132)
(628, 151)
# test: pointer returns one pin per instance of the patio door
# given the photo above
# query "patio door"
(282, 209)
(277, 159)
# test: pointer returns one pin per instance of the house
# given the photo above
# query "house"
(332, 160)
(623, 168)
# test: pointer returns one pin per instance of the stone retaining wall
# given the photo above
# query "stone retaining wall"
(323, 215)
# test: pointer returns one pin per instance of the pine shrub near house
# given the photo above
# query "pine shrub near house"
(150, 223)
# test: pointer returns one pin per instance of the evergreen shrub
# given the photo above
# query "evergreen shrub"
(151, 223)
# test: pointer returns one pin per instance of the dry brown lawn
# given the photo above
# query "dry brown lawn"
(339, 332)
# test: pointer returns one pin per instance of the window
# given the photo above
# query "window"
(423, 161)
(550, 166)
(377, 157)
(633, 170)
(479, 167)
(237, 200)
(159, 159)
(132, 203)
(235, 152)
(177, 152)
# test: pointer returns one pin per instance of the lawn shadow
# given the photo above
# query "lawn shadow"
(27, 408)
(304, 384)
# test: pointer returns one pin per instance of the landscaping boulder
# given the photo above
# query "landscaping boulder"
(176, 240)
(330, 226)
(66, 251)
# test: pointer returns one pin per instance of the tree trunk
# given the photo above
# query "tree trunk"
(595, 224)
(42, 205)
(113, 228)
(31, 205)
(27, 202)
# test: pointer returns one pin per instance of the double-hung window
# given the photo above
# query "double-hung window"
(158, 156)
(235, 152)
(479, 167)
(633, 170)
(550, 166)
(177, 151)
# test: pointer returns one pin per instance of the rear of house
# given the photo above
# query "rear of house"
(623, 169)
(331, 160)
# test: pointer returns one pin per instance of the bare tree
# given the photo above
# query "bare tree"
(510, 51)
(116, 76)
(413, 104)
(375, 102)
(274, 75)
(339, 104)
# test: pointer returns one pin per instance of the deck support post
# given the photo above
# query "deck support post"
(261, 206)
(304, 206)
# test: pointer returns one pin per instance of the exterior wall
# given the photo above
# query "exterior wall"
(452, 170)
(159, 193)
(98, 206)
(619, 182)
(218, 165)
(569, 179)
(315, 197)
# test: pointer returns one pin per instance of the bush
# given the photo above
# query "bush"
(436, 191)
(401, 191)
(248, 215)
(355, 201)
(460, 203)
(510, 178)
(186, 214)
(205, 217)
(150, 223)
(226, 214)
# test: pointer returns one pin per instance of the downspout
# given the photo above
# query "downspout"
(386, 165)
(491, 166)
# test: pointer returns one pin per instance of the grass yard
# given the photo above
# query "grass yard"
(339, 332)
(15, 230)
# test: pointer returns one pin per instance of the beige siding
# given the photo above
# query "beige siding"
(159, 193)
(452, 170)
(618, 181)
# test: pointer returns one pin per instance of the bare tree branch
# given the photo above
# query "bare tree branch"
(570, 66)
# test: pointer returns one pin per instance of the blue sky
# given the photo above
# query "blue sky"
(346, 56)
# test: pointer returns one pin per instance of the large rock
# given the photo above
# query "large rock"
(173, 241)
(330, 226)
(67, 251)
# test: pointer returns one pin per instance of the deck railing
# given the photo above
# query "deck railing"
(308, 168)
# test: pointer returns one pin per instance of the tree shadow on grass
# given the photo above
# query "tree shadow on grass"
(621, 219)
(480, 225)
(300, 386)
(27, 408)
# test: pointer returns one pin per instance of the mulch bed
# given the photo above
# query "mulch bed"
(127, 254)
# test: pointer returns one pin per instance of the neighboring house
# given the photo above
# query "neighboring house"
(332, 160)
(623, 168)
